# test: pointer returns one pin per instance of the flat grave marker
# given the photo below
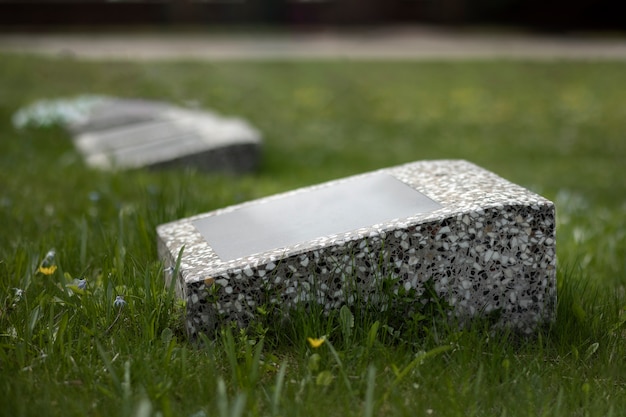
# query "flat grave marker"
(483, 244)
(140, 133)
(114, 133)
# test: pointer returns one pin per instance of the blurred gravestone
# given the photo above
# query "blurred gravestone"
(485, 246)
(121, 133)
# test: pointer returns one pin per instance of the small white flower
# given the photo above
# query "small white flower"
(50, 256)
(18, 295)
(47, 265)
(82, 284)
(119, 301)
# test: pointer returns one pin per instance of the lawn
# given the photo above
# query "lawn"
(558, 128)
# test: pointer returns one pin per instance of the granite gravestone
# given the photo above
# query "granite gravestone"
(483, 244)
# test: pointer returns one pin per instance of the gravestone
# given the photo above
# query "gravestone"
(139, 133)
(124, 133)
(485, 246)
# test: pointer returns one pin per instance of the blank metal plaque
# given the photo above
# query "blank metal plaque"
(298, 218)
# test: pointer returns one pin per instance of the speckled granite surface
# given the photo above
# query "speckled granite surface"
(487, 247)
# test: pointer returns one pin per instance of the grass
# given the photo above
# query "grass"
(555, 127)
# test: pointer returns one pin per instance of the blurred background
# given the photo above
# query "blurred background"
(539, 15)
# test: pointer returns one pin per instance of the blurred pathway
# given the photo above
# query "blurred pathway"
(377, 43)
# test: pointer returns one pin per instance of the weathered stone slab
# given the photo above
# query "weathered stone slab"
(485, 245)
(136, 133)
(124, 133)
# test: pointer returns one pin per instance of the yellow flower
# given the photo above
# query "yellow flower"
(47, 266)
(47, 270)
(315, 343)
